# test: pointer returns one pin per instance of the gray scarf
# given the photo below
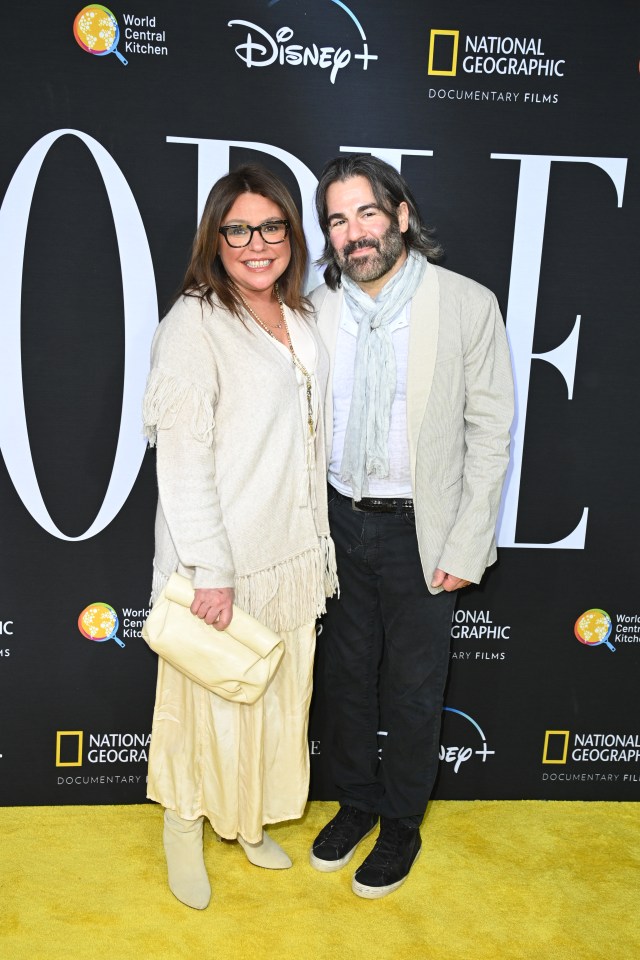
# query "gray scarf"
(366, 452)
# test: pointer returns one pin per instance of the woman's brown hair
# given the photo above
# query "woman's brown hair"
(206, 277)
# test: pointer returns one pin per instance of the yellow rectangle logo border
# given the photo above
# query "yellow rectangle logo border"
(556, 733)
(454, 60)
(69, 733)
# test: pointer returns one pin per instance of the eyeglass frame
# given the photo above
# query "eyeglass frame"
(238, 246)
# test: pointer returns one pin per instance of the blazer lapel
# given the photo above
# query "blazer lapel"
(423, 346)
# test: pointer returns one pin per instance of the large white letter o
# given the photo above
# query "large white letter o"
(140, 322)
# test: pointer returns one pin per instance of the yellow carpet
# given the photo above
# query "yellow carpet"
(528, 879)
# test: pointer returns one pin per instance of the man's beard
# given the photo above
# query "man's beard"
(384, 255)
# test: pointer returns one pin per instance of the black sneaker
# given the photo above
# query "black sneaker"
(336, 843)
(388, 865)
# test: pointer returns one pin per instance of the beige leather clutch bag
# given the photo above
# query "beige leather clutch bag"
(236, 663)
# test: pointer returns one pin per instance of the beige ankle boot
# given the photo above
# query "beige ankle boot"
(188, 880)
(267, 853)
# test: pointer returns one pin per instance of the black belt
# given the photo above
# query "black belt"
(376, 504)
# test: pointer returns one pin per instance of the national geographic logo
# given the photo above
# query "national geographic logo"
(477, 625)
(102, 748)
(560, 747)
(6, 630)
(487, 55)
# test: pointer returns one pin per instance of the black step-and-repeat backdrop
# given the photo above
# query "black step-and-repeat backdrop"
(516, 126)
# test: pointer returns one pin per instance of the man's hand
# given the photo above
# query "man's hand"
(214, 606)
(448, 582)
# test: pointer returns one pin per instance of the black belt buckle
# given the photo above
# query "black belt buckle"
(371, 505)
(395, 505)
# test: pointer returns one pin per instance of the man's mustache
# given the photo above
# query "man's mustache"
(365, 243)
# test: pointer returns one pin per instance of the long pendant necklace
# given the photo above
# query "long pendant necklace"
(296, 362)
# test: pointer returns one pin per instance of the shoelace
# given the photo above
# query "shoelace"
(344, 819)
(387, 845)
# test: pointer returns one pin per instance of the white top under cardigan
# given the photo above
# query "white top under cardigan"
(241, 502)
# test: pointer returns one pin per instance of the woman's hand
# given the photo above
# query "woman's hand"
(214, 606)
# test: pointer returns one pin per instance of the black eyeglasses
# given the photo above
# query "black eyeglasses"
(240, 234)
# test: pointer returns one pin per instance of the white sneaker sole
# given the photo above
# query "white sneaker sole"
(330, 866)
(374, 893)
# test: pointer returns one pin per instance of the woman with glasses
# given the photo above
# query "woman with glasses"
(233, 405)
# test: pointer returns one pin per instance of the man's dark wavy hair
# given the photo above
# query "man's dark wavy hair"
(389, 188)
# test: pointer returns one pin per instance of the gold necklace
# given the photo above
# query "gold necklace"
(296, 362)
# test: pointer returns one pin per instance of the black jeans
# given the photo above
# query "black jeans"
(387, 645)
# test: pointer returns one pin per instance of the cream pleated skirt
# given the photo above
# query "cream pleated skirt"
(240, 765)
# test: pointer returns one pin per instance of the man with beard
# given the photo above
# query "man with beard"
(419, 406)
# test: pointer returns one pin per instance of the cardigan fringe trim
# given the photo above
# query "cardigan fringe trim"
(331, 583)
(293, 592)
(286, 595)
(164, 397)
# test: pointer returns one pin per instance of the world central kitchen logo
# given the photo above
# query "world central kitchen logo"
(96, 31)
(477, 54)
(593, 628)
(262, 49)
(99, 622)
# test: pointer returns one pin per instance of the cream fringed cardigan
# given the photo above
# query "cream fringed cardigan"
(242, 495)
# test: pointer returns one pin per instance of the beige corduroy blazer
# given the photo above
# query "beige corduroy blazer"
(459, 411)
